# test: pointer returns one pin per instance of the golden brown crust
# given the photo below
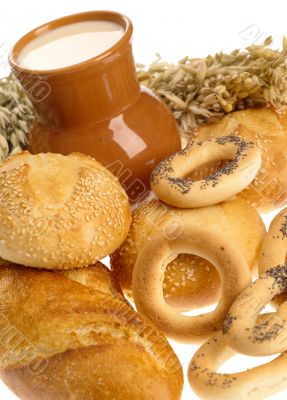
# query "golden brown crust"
(122, 372)
(190, 281)
(268, 130)
(60, 212)
(97, 276)
(75, 338)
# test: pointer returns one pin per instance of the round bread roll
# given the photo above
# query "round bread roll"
(86, 341)
(190, 281)
(60, 212)
(268, 130)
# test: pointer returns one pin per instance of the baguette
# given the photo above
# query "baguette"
(64, 336)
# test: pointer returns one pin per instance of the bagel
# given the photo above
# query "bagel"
(254, 384)
(148, 277)
(190, 281)
(268, 130)
(169, 182)
(60, 212)
(241, 328)
(274, 249)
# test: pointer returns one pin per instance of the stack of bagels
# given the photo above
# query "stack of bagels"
(67, 328)
(247, 331)
(202, 240)
(200, 236)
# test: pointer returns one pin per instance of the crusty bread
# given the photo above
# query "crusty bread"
(80, 342)
(268, 130)
(190, 281)
(60, 212)
(98, 277)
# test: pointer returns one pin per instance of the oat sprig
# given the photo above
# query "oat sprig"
(201, 91)
(16, 116)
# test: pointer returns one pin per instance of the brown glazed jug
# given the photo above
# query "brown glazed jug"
(98, 108)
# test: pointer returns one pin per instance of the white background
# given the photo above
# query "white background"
(174, 29)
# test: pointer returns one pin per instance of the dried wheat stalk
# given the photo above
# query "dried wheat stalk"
(201, 91)
(16, 115)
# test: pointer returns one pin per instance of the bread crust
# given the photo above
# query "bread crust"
(122, 372)
(60, 212)
(80, 342)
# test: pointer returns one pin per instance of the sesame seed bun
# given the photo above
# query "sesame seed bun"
(268, 130)
(60, 212)
(190, 281)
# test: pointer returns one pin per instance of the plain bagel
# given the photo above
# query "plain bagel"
(190, 281)
(149, 272)
(169, 182)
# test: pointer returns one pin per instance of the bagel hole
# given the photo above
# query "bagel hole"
(199, 311)
(205, 170)
(191, 283)
(240, 363)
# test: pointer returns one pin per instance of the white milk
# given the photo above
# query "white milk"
(70, 44)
